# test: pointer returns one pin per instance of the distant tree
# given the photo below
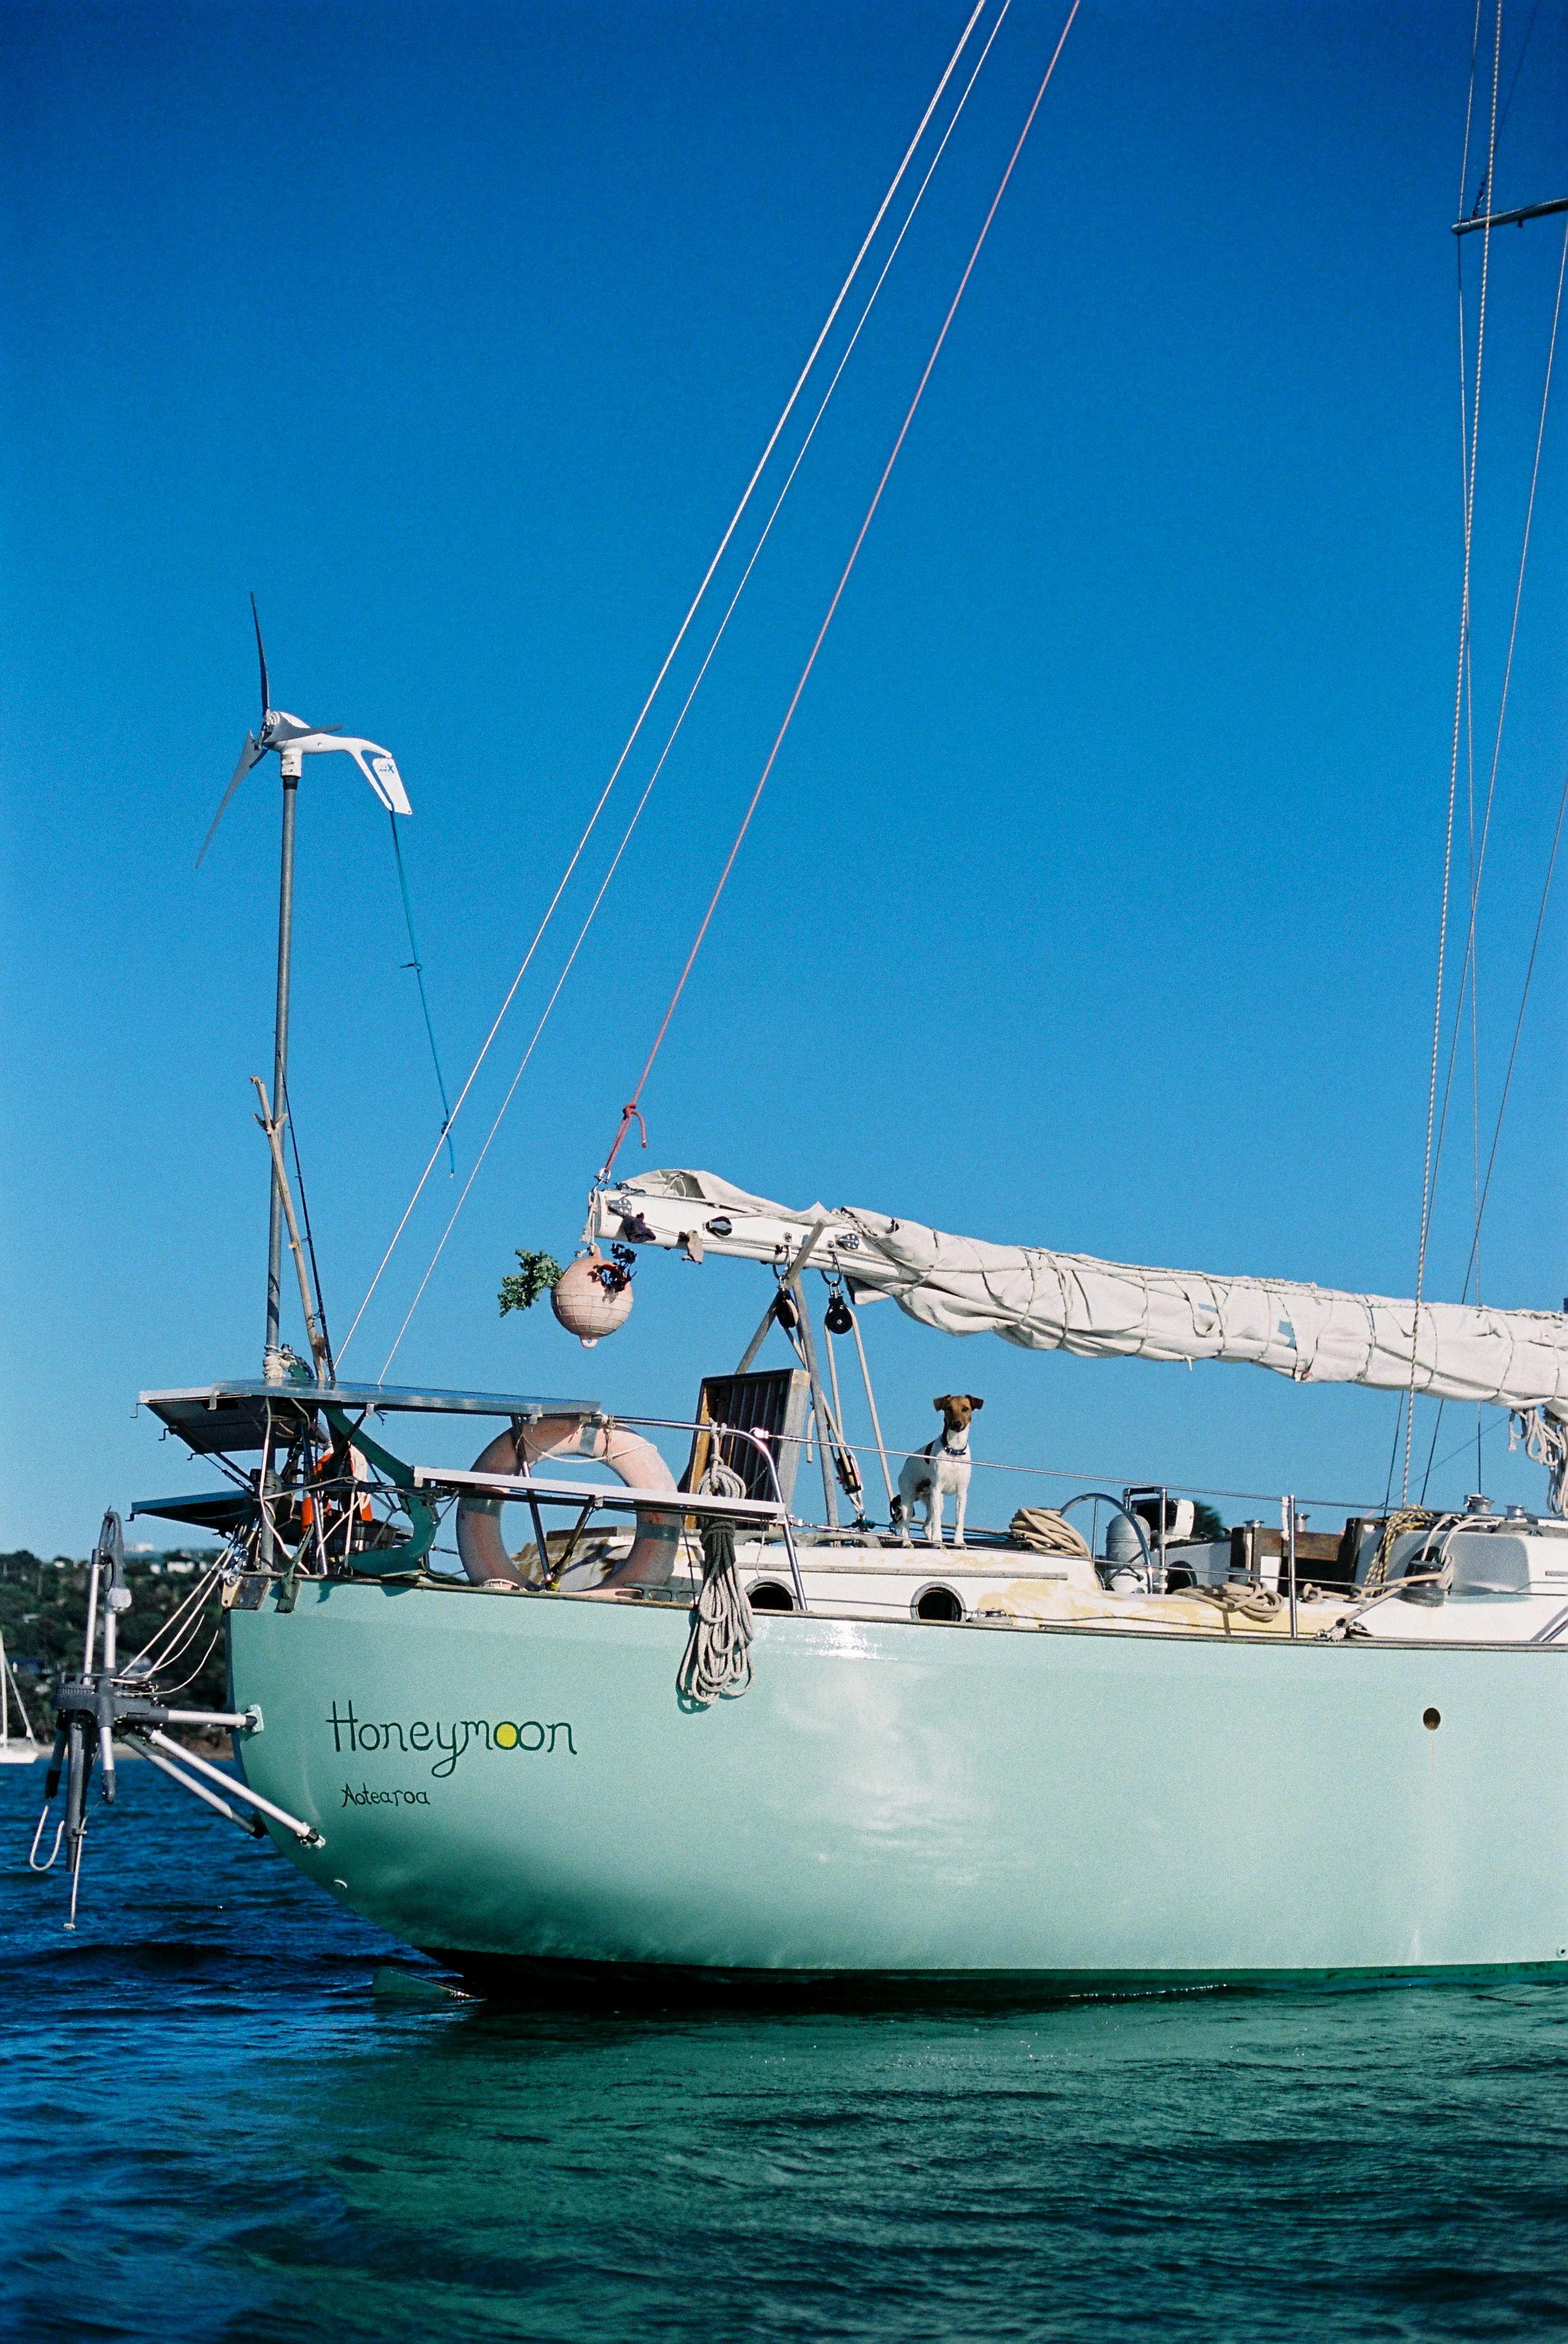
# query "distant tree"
(1206, 1522)
(43, 1619)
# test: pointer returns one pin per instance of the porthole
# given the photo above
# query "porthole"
(938, 1604)
(767, 1596)
(1431, 1719)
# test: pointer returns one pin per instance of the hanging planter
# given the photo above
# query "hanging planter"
(593, 1296)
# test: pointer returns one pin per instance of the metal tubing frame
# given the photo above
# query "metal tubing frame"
(871, 1402)
(253, 1829)
(280, 1044)
(827, 1429)
(306, 1832)
(765, 1450)
(802, 1257)
(1104, 1498)
(1511, 219)
(740, 1510)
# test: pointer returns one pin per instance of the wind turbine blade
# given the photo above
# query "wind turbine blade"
(247, 757)
(261, 657)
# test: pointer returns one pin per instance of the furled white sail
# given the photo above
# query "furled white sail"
(1048, 1302)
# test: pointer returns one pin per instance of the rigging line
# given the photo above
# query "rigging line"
(604, 796)
(690, 696)
(1394, 1450)
(1508, 1077)
(1471, 968)
(1469, 110)
(1467, 973)
(1449, 1456)
(1519, 68)
(1524, 997)
(304, 1215)
(1427, 1168)
(630, 1110)
(417, 966)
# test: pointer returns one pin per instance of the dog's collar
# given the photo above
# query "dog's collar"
(953, 1453)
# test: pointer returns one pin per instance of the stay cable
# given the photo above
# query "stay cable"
(672, 736)
(657, 685)
(628, 1113)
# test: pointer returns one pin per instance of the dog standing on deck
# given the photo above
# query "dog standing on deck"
(940, 1467)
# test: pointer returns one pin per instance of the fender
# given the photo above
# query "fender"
(520, 1448)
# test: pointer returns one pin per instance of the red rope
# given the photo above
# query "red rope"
(632, 1107)
(630, 1113)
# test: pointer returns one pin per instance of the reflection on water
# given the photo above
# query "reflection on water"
(213, 2128)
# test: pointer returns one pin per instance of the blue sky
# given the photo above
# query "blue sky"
(1093, 901)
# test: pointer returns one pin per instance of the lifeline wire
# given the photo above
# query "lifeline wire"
(603, 797)
(417, 964)
(630, 1108)
(1426, 1197)
(637, 811)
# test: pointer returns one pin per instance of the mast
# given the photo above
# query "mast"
(290, 759)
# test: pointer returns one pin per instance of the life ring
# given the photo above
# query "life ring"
(524, 1445)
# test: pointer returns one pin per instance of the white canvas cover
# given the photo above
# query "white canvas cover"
(1048, 1302)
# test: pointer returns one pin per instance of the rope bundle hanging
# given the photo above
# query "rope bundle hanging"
(1402, 1518)
(717, 1662)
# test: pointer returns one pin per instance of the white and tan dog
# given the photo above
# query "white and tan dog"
(942, 1466)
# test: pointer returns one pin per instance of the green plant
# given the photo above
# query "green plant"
(536, 1274)
(1206, 1522)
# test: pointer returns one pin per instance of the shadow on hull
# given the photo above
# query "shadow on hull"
(628, 1986)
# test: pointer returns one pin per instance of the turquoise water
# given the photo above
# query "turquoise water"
(215, 2127)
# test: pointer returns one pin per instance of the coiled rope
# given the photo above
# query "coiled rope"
(1402, 1518)
(1045, 1531)
(717, 1663)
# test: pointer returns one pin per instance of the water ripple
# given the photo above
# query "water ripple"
(216, 2130)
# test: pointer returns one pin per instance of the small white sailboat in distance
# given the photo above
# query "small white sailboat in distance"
(15, 1749)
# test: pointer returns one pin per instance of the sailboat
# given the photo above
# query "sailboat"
(693, 1729)
(17, 1749)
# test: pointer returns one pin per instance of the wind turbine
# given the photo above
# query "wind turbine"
(294, 742)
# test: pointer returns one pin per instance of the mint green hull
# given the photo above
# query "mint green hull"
(514, 1779)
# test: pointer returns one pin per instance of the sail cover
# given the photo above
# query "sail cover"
(1048, 1302)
